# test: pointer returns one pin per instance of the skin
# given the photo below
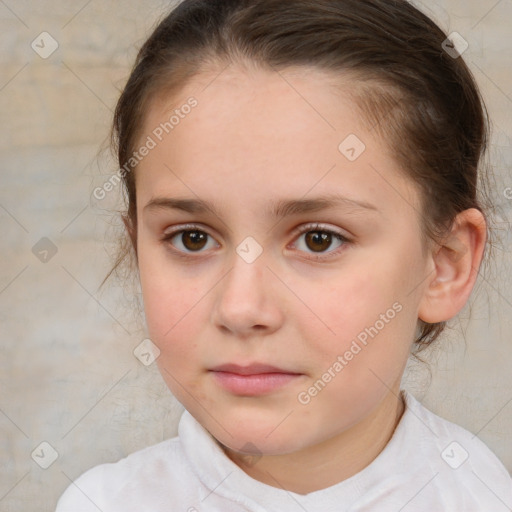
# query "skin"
(253, 139)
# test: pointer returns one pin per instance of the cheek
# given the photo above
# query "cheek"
(357, 298)
(171, 303)
(172, 309)
(170, 312)
(370, 321)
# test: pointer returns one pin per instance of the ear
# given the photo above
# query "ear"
(456, 263)
(132, 231)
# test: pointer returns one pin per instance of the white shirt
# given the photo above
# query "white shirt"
(429, 465)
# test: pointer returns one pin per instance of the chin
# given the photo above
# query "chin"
(246, 444)
(258, 433)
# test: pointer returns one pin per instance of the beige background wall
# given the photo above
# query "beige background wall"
(68, 376)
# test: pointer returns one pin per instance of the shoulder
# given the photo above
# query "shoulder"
(126, 481)
(463, 468)
(453, 441)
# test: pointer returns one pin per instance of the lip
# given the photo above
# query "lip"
(253, 379)
(250, 369)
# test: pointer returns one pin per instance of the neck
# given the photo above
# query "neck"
(315, 468)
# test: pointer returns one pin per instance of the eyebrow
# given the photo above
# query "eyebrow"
(278, 209)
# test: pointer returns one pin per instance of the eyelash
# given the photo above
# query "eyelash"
(312, 228)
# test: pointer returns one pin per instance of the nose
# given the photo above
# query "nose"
(247, 302)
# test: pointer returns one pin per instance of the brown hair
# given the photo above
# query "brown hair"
(422, 100)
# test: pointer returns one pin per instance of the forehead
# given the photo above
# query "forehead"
(263, 102)
(264, 131)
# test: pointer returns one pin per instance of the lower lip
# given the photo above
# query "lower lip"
(253, 385)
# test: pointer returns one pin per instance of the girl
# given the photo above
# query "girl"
(301, 202)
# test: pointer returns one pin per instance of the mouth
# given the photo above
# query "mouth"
(252, 380)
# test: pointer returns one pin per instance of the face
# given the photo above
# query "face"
(284, 316)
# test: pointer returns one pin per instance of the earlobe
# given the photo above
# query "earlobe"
(456, 262)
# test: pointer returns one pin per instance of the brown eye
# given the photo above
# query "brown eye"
(318, 241)
(188, 241)
(194, 240)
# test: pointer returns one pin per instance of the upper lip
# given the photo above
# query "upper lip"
(251, 369)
